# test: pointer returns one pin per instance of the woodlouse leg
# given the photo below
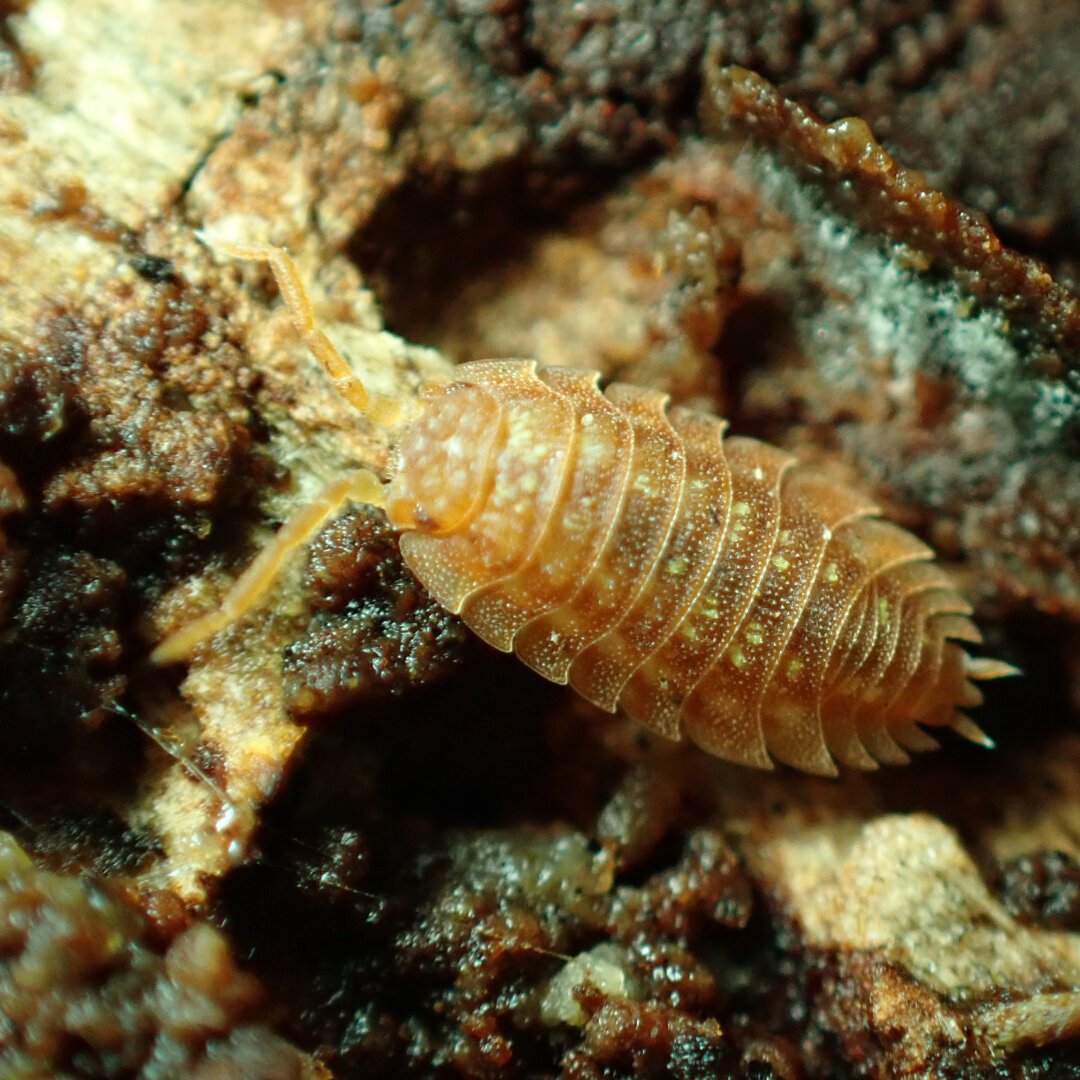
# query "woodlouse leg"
(383, 411)
(255, 582)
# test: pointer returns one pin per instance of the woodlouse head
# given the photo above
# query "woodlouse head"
(443, 468)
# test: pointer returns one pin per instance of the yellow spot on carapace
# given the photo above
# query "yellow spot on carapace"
(576, 521)
(709, 608)
(741, 509)
(737, 656)
(832, 574)
(794, 668)
(781, 563)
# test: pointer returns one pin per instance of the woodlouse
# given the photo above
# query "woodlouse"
(709, 587)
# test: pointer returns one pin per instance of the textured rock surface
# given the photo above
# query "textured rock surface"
(434, 863)
(978, 94)
(85, 990)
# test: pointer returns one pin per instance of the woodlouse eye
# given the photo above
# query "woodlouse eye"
(444, 461)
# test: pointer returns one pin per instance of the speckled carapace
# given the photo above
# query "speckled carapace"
(710, 588)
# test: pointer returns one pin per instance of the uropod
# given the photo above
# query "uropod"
(710, 587)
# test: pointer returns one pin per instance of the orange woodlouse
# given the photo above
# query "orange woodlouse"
(708, 587)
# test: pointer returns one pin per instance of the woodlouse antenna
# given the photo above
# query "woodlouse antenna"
(387, 412)
(255, 582)
(360, 486)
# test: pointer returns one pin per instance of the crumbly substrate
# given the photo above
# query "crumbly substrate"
(88, 990)
(433, 862)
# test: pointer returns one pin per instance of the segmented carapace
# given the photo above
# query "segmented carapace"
(710, 587)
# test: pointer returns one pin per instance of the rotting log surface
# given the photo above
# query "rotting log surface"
(433, 864)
